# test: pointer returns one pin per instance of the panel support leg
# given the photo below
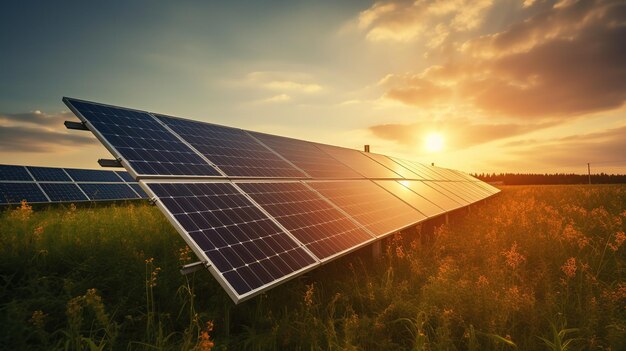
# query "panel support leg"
(377, 249)
(447, 219)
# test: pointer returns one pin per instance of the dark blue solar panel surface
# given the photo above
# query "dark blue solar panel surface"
(247, 248)
(102, 191)
(8, 172)
(148, 147)
(60, 192)
(313, 221)
(126, 176)
(13, 193)
(307, 157)
(91, 175)
(48, 174)
(139, 190)
(232, 150)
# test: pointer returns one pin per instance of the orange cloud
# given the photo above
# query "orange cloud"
(564, 61)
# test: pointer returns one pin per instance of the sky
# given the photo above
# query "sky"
(502, 85)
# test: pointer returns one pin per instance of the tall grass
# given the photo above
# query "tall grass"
(536, 268)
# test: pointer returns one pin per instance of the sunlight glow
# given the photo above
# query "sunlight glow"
(433, 142)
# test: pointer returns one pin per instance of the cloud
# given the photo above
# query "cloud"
(274, 99)
(284, 81)
(430, 21)
(459, 133)
(575, 150)
(564, 61)
(37, 131)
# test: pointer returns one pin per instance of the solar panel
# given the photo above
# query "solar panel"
(126, 177)
(147, 146)
(49, 174)
(247, 251)
(232, 150)
(370, 205)
(358, 162)
(101, 191)
(440, 186)
(433, 195)
(92, 175)
(392, 165)
(322, 228)
(142, 194)
(418, 202)
(14, 193)
(8, 172)
(462, 191)
(63, 192)
(307, 156)
(419, 171)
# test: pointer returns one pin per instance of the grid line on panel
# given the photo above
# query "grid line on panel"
(415, 200)
(370, 205)
(251, 135)
(48, 174)
(61, 192)
(38, 185)
(307, 156)
(146, 145)
(103, 191)
(433, 195)
(392, 165)
(93, 175)
(231, 150)
(444, 190)
(307, 216)
(358, 162)
(242, 243)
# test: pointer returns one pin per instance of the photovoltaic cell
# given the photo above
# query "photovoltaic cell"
(103, 191)
(420, 172)
(313, 221)
(440, 186)
(62, 192)
(370, 205)
(48, 174)
(92, 175)
(14, 193)
(148, 147)
(418, 202)
(126, 177)
(247, 249)
(232, 150)
(358, 162)
(307, 156)
(8, 172)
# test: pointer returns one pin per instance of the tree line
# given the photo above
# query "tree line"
(558, 178)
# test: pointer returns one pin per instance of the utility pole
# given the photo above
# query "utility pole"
(589, 172)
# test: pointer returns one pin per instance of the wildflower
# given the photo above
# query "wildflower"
(38, 319)
(184, 254)
(620, 237)
(513, 258)
(308, 295)
(569, 268)
(23, 212)
(482, 281)
(37, 233)
(204, 341)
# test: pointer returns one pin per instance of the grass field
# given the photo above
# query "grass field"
(535, 268)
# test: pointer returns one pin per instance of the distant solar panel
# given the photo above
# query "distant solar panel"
(9, 172)
(232, 150)
(376, 209)
(63, 192)
(307, 156)
(48, 174)
(100, 191)
(14, 193)
(358, 162)
(324, 230)
(418, 202)
(92, 175)
(147, 146)
(247, 250)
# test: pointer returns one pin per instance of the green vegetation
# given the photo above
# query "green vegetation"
(536, 268)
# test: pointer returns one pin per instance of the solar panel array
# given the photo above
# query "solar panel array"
(47, 184)
(259, 209)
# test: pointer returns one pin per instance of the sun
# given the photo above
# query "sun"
(434, 142)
